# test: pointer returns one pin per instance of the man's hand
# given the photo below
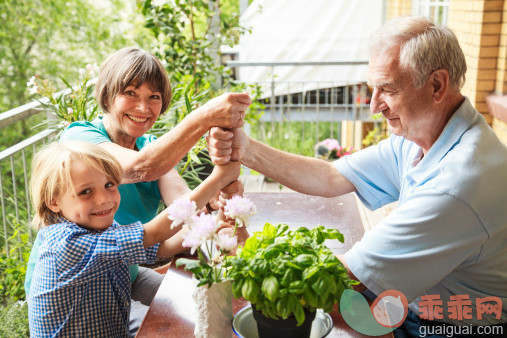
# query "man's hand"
(227, 145)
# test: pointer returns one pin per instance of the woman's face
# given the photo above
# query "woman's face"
(134, 111)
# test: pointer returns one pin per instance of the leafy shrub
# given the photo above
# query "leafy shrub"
(14, 319)
(282, 272)
(13, 266)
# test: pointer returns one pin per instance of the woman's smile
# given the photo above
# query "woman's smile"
(138, 119)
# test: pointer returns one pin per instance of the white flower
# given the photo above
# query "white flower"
(89, 67)
(82, 71)
(31, 82)
(181, 211)
(70, 111)
(226, 242)
(240, 209)
(34, 89)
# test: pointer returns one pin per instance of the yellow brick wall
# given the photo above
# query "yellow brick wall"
(500, 85)
(478, 26)
(396, 8)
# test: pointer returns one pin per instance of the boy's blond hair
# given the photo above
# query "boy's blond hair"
(51, 173)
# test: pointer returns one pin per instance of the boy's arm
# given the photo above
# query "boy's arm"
(172, 246)
(159, 229)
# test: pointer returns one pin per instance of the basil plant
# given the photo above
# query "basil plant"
(284, 272)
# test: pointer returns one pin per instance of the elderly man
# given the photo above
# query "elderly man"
(444, 165)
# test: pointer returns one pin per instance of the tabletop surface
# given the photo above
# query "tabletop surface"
(172, 311)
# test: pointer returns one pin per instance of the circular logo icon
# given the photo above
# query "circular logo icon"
(390, 308)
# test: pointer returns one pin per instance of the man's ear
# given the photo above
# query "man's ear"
(439, 80)
(54, 207)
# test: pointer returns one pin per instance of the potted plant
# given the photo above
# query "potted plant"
(213, 294)
(287, 274)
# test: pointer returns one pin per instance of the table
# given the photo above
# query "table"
(172, 311)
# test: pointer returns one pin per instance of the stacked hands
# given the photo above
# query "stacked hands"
(226, 145)
(228, 116)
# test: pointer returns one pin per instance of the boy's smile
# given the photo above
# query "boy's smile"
(91, 201)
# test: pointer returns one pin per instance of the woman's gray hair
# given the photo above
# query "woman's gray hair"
(424, 48)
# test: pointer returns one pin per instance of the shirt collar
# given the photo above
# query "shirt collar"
(458, 124)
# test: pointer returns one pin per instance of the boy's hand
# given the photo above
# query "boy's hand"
(226, 173)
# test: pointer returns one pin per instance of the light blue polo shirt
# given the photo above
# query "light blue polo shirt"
(139, 201)
(449, 234)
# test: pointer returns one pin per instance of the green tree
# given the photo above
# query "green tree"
(53, 38)
(187, 35)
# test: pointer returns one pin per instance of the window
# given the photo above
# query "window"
(435, 9)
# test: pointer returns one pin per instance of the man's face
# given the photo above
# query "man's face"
(407, 109)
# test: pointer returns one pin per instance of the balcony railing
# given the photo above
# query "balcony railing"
(322, 109)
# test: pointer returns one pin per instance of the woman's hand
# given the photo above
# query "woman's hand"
(226, 110)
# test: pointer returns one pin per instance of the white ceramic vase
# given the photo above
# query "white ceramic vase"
(214, 310)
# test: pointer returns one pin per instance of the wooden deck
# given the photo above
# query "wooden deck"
(257, 183)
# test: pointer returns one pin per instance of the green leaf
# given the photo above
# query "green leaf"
(236, 288)
(299, 313)
(250, 290)
(270, 287)
(310, 272)
(269, 230)
(310, 297)
(320, 286)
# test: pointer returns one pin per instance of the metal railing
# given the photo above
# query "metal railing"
(15, 164)
(321, 108)
(313, 102)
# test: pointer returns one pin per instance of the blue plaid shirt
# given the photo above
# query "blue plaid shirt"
(81, 283)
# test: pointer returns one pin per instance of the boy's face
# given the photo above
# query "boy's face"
(93, 201)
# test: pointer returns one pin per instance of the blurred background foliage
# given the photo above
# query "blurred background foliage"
(53, 39)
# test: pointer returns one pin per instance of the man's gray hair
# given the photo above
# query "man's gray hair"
(424, 48)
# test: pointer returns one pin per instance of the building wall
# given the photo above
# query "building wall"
(481, 28)
(396, 8)
(478, 26)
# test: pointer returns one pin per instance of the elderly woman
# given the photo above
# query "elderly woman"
(133, 89)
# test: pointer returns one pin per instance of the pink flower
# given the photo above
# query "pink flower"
(204, 226)
(191, 240)
(226, 242)
(70, 111)
(181, 211)
(240, 209)
(330, 144)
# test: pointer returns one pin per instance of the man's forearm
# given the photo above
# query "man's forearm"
(301, 173)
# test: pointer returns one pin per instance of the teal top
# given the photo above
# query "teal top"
(139, 201)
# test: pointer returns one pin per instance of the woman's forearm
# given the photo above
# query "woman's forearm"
(163, 154)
